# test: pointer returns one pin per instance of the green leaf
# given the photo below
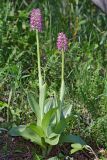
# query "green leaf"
(54, 140)
(74, 150)
(16, 131)
(67, 111)
(47, 119)
(62, 91)
(3, 130)
(71, 139)
(42, 99)
(37, 129)
(54, 158)
(3, 105)
(31, 135)
(60, 126)
(49, 103)
(76, 147)
(34, 105)
(37, 157)
(27, 133)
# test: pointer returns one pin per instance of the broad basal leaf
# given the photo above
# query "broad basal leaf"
(67, 111)
(16, 131)
(47, 119)
(37, 129)
(49, 103)
(54, 158)
(76, 147)
(71, 139)
(59, 128)
(34, 105)
(27, 133)
(54, 140)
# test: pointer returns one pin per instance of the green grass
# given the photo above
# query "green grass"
(85, 63)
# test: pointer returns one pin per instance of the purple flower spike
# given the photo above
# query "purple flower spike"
(62, 42)
(36, 20)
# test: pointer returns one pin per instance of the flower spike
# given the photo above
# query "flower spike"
(36, 20)
(62, 42)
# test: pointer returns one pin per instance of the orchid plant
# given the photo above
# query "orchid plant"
(51, 114)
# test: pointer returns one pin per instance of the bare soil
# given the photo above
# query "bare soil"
(20, 149)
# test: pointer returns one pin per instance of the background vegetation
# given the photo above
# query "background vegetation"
(85, 63)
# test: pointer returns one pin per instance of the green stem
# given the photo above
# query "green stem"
(38, 56)
(62, 74)
(62, 80)
(62, 85)
(40, 79)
